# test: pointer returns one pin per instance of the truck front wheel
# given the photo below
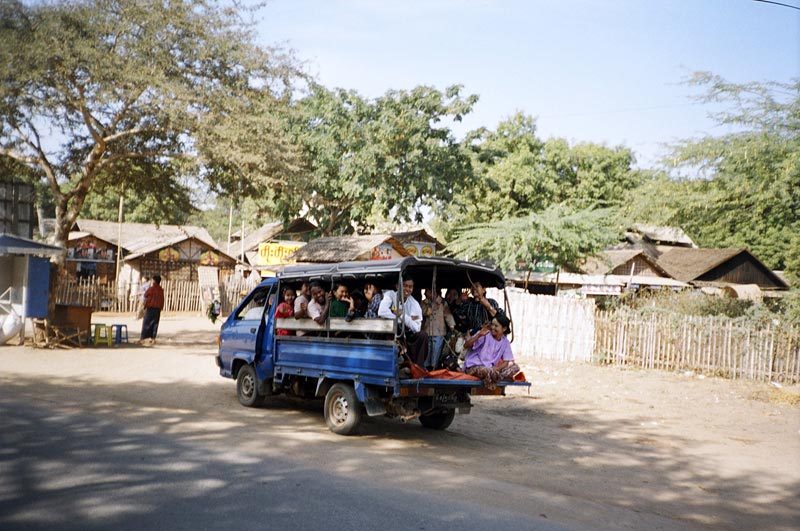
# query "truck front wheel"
(343, 411)
(247, 387)
(439, 420)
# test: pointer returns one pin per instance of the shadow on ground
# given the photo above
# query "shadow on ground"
(172, 430)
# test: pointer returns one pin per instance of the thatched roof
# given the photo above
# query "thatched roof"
(138, 236)
(743, 291)
(664, 235)
(139, 239)
(269, 231)
(689, 264)
(344, 248)
(420, 235)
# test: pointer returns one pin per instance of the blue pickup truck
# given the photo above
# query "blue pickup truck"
(357, 365)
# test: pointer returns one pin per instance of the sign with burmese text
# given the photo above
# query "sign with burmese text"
(275, 253)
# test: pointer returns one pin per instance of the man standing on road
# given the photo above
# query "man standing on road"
(153, 303)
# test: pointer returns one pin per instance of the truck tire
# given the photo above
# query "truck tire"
(247, 387)
(439, 420)
(343, 411)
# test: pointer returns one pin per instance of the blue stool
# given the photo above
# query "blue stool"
(120, 332)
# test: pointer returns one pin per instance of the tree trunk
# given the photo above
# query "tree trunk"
(58, 267)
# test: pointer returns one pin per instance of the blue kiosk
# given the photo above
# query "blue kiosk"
(24, 280)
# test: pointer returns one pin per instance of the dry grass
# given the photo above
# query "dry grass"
(777, 396)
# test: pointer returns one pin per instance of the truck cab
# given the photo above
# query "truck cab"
(359, 366)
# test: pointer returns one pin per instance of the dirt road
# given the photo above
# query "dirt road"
(591, 447)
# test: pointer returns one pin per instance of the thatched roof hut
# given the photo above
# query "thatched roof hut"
(350, 248)
(719, 266)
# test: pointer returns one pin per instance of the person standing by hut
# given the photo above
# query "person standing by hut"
(153, 304)
(146, 283)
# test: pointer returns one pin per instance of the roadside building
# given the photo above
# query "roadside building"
(350, 248)
(419, 242)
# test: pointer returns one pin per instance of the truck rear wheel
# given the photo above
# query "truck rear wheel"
(247, 387)
(343, 411)
(439, 420)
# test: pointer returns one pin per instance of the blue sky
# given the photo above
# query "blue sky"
(590, 70)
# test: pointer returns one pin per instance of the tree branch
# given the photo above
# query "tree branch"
(116, 136)
(88, 119)
(141, 155)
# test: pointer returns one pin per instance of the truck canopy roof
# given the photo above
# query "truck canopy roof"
(449, 273)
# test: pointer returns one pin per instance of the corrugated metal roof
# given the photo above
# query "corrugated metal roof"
(136, 237)
(17, 245)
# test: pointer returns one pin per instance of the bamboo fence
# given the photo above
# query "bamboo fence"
(714, 345)
(556, 328)
(546, 327)
(179, 295)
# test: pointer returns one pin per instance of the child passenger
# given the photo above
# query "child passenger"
(285, 309)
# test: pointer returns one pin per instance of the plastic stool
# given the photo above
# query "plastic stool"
(102, 334)
(93, 331)
(120, 332)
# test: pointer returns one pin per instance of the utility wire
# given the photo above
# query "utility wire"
(778, 4)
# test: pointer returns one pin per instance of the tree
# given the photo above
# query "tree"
(97, 93)
(557, 234)
(534, 199)
(366, 159)
(744, 186)
(517, 173)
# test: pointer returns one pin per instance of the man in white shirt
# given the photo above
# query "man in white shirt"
(411, 313)
(320, 304)
(301, 304)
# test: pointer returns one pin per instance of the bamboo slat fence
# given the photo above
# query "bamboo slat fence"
(179, 295)
(546, 327)
(714, 345)
(556, 328)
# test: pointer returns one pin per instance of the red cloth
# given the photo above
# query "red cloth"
(444, 374)
(418, 372)
(283, 311)
(154, 297)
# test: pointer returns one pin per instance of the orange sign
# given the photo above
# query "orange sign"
(169, 254)
(275, 253)
(209, 258)
(381, 252)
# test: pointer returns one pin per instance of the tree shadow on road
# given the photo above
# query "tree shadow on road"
(133, 448)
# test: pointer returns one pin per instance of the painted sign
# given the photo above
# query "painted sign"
(209, 258)
(89, 251)
(275, 253)
(422, 249)
(381, 252)
(169, 254)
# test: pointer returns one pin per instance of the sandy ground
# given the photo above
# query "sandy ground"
(702, 451)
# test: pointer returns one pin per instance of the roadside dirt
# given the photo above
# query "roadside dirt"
(700, 450)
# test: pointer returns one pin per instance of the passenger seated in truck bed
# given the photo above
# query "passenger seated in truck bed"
(286, 309)
(489, 356)
(411, 315)
(341, 301)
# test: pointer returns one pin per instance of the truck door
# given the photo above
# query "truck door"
(243, 334)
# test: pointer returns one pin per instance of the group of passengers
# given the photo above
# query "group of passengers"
(428, 326)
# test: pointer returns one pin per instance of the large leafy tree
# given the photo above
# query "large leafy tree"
(363, 159)
(535, 200)
(97, 93)
(740, 189)
(558, 234)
